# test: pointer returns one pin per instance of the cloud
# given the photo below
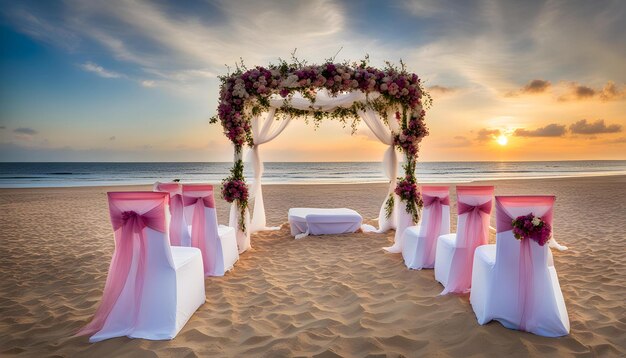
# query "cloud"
(148, 83)
(99, 70)
(3, 127)
(423, 8)
(25, 130)
(441, 89)
(536, 86)
(112, 138)
(582, 92)
(33, 22)
(612, 92)
(621, 140)
(533, 87)
(487, 134)
(578, 92)
(551, 130)
(597, 127)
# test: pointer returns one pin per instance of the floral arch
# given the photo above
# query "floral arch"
(257, 104)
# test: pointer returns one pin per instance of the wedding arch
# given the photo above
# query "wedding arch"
(257, 104)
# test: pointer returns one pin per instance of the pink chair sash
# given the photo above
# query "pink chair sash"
(504, 222)
(475, 234)
(198, 227)
(176, 213)
(176, 210)
(433, 227)
(128, 226)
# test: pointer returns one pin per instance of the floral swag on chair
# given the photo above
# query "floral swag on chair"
(247, 92)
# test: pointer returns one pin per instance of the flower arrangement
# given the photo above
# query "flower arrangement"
(532, 227)
(412, 132)
(246, 92)
(235, 189)
(406, 189)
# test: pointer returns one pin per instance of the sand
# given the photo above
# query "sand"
(320, 296)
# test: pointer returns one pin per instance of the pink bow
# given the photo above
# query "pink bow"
(466, 208)
(430, 200)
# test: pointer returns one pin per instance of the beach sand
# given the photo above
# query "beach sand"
(320, 296)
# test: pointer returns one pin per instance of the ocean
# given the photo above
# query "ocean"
(22, 175)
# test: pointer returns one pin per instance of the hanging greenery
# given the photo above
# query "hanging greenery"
(246, 92)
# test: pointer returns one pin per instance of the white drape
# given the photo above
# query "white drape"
(270, 129)
(262, 133)
(390, 164)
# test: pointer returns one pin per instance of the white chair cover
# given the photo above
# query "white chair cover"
(419, 243)
(217, 243)
(172, 288)
(452, 257)
(496, 290)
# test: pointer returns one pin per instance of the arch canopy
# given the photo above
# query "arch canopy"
(257, 105)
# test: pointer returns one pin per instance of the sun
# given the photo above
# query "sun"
(502, 140)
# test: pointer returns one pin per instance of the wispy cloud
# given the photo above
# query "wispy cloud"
(25, 130)
(148, 83)
(551, 130)
(591, 128)
(437, 89)
(24, 134)
(99, 70)
(621, 140)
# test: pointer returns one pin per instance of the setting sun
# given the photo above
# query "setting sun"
(502, 140)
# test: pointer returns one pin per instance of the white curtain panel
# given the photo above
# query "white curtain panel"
(390, 164)
(265, 128)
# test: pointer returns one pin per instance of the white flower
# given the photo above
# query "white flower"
(291, 81)
(536, 221)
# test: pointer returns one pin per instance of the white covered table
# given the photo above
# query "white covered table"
(314, 221)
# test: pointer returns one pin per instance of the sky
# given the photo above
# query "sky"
(137, 80)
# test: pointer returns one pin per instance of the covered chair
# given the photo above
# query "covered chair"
(455, 252)
(152, 288)
(179, 231)
(420, 242)
(217, 243)
(515, 281)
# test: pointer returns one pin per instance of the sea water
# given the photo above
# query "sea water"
(97, 174)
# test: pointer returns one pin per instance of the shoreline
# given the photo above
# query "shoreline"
(450, 183)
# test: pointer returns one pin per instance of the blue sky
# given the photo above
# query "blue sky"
(136, 80)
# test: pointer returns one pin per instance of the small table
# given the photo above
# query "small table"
(316, 221)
